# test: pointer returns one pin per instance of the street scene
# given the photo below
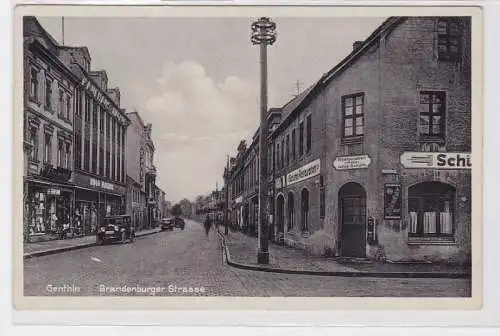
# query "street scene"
(174, 156)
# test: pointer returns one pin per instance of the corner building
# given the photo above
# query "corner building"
(398, 139)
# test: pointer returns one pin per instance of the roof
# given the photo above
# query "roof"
(294, 106)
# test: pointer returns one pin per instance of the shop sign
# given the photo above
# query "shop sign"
(306, 171)
(103, 100)
(53, 191)
(436, 160)
(392, 201)
(280, 182)
(352, 162)
(100, 184)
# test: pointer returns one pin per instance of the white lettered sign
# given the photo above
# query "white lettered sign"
(306, 171)
(351, 162)
(436, 160)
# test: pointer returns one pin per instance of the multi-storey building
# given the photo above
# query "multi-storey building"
(49, 91)
(147, 152)
(99, 135)
(376, 154)
(136, 170)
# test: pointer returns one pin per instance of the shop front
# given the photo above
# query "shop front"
(48, 202)
(94, 200)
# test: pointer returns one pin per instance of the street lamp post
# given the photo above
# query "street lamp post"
(264, 34)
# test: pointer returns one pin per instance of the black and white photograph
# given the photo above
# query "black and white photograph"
(266, 156)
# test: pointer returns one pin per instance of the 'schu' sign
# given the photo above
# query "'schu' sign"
(436, 160)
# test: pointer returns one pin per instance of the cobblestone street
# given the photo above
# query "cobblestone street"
(181, 259)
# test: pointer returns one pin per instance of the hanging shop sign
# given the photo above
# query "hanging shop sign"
(303, 173)
(351, 162)
(436, 160)
(392, 201)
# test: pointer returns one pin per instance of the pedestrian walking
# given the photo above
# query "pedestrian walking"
(208, 224)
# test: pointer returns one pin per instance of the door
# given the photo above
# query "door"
(280, 214)
(353, 218)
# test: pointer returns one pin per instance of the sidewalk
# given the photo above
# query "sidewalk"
(241, 252)
(61, 245)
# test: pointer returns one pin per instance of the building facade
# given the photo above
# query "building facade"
(147, 153)
(99, 136)
(136, 168)
(375, 156)
(49, 91)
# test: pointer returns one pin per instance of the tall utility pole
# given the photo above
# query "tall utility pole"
(226, 190)
(263, 33)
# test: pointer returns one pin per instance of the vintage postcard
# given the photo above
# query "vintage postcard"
(279, 158)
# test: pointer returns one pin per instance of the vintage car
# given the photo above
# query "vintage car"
(115, 229)
(179, 222)
(167, 224)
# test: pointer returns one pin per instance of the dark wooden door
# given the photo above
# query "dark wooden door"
(353, 216)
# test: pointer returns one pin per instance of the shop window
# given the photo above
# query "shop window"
(353, 116)
(35, 143)
(308, 134)
(432, 109)
(47, 153)
(48, 94)
(431, 210)
(449, 37)
(301, 139)
(34, 85)
(293, 144)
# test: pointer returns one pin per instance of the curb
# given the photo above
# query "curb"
(351, 274)
(71, 248)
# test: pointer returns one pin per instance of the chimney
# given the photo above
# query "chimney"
(356, 45)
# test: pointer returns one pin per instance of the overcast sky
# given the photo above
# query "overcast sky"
(197, 80)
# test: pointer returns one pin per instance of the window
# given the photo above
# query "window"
(60, 154)
(61, 103)
(87, 109)
(78, 104)
(293, 144)
(68, 155)
(431, 114)
(282, 157)
(47, 153)
(34, 142)
(288, 149)
(431, 210)
(34, 85)
(48, 94)
(353, 115)
(301, 139)
(308, 134)
(449, 36)
(68, 107)
(278, 164)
